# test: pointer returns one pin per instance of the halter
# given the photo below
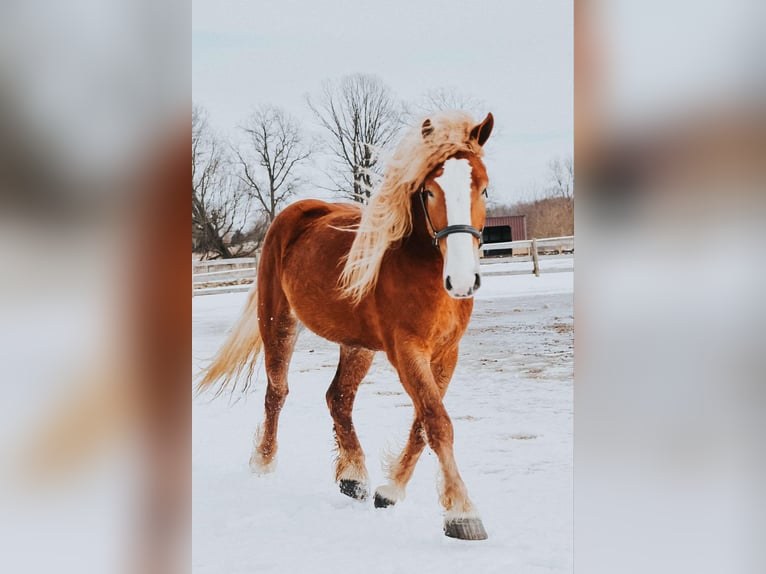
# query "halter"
(437, 235)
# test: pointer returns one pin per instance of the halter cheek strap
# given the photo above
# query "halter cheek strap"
(437, 235)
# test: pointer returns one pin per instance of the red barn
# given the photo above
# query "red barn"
(504, 228)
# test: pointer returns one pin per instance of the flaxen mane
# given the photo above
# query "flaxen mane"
(387, 218)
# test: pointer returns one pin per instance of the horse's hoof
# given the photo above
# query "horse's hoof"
(465, 528)
(353, 488)
(382, 502)
(260, 467)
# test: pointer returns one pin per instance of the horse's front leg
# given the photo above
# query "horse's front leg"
(461, 518)
(401, 468)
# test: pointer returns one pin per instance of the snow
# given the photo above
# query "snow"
(511, 404)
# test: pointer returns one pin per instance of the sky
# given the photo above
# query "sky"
(515, 56)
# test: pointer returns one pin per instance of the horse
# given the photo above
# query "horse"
(396, 276)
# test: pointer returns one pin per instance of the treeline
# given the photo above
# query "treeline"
(551, 214)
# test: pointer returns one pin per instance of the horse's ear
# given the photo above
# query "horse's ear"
(427, 128)
(481, 131)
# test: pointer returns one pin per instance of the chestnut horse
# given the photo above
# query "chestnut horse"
(397, 276)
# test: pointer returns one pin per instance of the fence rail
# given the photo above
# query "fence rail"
(237, 275)
(237, 262)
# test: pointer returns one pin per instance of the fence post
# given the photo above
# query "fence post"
(534, 258)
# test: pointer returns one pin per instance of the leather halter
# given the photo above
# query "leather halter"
(450, 229)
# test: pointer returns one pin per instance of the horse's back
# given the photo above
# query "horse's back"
(308, 226)
(308, 229)
(297, 216)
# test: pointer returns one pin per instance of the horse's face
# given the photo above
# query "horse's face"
(454, 200)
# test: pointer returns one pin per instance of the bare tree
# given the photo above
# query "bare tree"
(561, 178)
(220, 205)
(361, 117)
(274, 151)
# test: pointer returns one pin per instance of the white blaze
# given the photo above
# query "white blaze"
(462, 263)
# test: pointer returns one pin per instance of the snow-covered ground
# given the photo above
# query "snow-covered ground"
(511, 404)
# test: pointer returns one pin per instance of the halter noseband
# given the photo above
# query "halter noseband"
(450, 229)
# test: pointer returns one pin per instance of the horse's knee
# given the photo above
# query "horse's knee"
(338, 403)
(438, 429)
(276, 396)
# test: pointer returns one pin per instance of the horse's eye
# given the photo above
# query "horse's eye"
(484, 193)
(430, 193)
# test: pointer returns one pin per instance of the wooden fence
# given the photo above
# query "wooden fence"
(533, 250)
(236, 275)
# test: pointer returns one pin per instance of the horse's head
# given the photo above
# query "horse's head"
(453, 201)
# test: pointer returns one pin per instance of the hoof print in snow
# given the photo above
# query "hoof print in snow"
(465, 529)
(354, 489)
(382, 501)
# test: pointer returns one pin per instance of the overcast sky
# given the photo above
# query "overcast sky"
(514, 55)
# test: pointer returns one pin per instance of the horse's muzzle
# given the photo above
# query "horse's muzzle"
(462, 293)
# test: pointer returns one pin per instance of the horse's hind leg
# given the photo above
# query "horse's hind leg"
(401, 468)
(350, 470)
(278, 330)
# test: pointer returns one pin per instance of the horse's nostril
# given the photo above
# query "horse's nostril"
(448, 284)
(477, 282)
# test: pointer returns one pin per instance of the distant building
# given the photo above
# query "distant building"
(504, 228)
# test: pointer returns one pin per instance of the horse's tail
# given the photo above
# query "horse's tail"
(240, 350)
